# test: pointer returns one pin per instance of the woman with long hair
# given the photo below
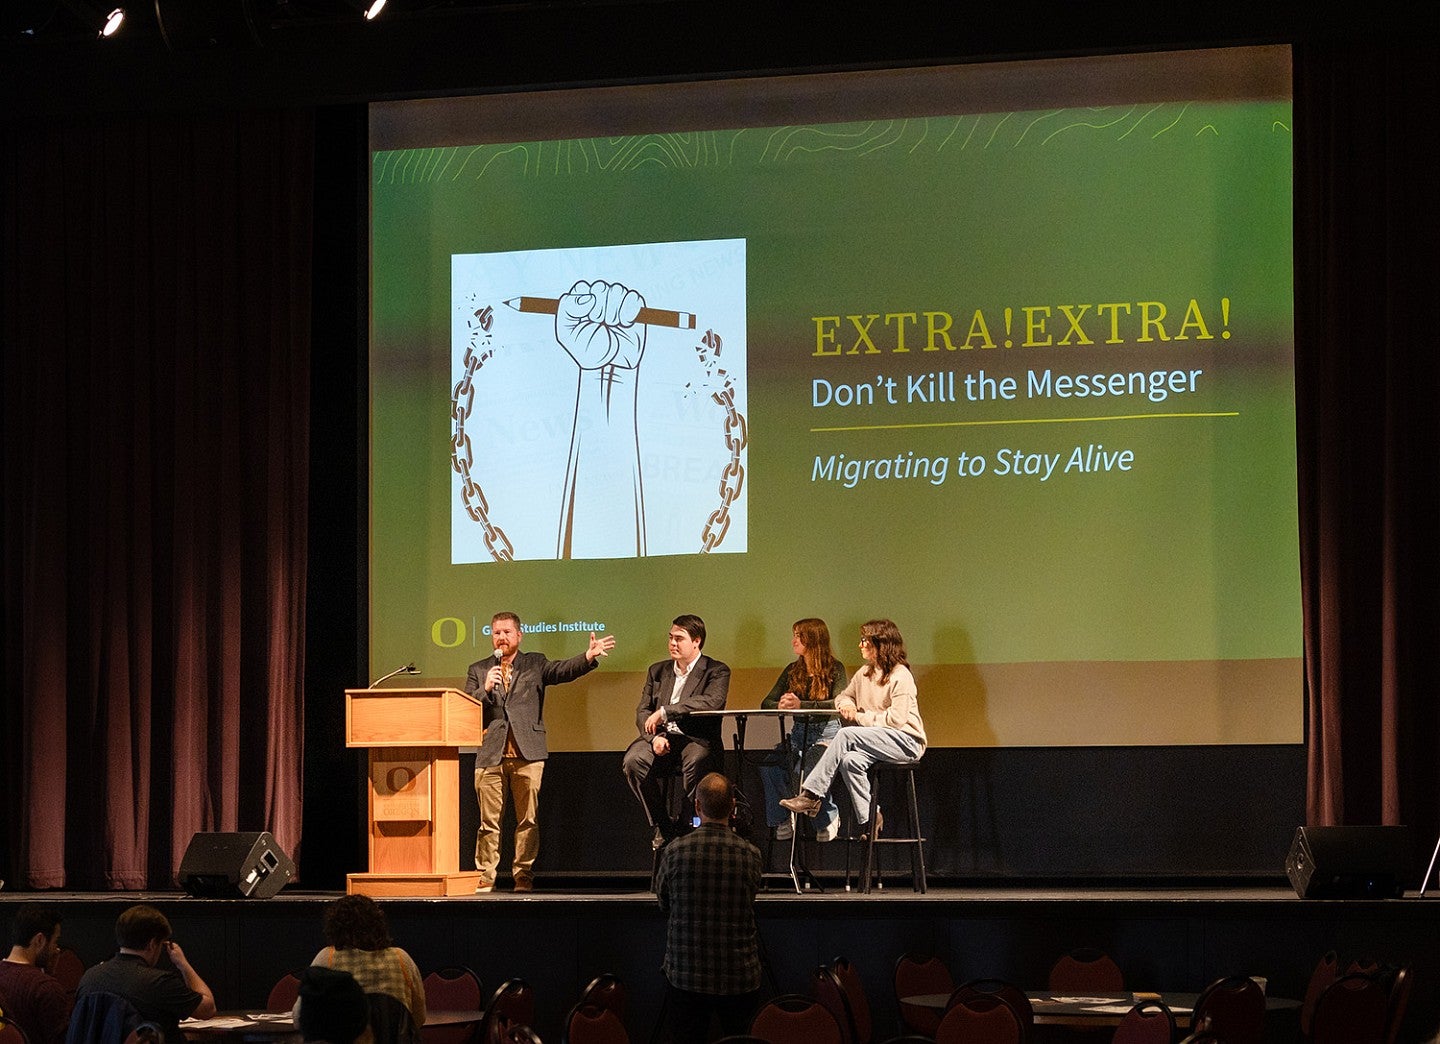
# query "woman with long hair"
(810, 682)
(880, 721)
(360, 944)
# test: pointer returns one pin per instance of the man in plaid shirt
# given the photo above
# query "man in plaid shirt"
(707, 883)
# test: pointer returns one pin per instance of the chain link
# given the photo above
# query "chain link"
(732, 477)
(462, 453)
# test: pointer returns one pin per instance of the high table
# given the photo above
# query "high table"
(742, 716)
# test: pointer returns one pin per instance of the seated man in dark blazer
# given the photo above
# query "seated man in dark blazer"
(670, 737)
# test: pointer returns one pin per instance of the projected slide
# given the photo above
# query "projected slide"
(1003, 353)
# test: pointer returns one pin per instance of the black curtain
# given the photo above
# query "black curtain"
(156, 294)
(1368, 283)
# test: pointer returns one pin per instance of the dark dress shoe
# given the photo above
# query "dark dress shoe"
(803, 804)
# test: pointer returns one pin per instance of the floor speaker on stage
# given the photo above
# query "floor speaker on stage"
(1349, 862)
(235, 866)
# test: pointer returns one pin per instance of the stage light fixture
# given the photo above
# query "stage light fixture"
(369, 9)
(103, 24)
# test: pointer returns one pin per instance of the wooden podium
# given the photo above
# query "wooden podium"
(413, 736)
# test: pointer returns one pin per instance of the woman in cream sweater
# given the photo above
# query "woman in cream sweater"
(880, 721)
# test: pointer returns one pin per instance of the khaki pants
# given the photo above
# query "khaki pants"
(523, 780)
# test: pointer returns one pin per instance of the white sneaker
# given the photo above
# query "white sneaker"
(831, 832)
(784, 832)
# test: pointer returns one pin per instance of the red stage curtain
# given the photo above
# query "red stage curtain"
(157, 326)
(1367, 290)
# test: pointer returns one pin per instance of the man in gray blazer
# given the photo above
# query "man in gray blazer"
(511, 685)
(670, 738)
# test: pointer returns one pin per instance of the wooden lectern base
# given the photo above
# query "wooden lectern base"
(383, 886)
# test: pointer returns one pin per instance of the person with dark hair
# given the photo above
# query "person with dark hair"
(360, 944)
(162, 995)
(331, 1006)
(810, 682)
(30, 996)
(669, 737)
(706, 884)
(511, 685)
(880, 715)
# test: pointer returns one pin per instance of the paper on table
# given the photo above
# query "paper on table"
(229, 1022)
(1076, 1000)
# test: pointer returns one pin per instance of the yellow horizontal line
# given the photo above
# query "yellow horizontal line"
(1024, 420)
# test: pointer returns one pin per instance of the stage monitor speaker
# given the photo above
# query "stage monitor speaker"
(1349, 862)
(235, 866)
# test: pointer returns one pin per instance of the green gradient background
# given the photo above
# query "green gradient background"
(1192, 556)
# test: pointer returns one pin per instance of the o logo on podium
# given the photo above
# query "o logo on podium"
(400, 779)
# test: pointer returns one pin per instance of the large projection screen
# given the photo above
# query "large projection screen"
(1003, 352)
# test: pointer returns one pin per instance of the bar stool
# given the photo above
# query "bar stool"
(902, 776)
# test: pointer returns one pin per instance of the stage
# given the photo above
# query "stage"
(1167, 937)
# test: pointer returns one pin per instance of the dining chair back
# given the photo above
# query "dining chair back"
(1400, 986)
(1235, 1006)
(594, 1024)
(828, 991)
(1352, 1010)
(916, 975)
(862, 1028)
(67, 968)
(494, 1029)
(452, 989)
(1326, 971)
(1149, 1022)
(606, 991)
(512, 1004)
(284, 993)
(1011, 994)
(793, 1019)
(980, 1019)
(390, 1021)
(1086, 969)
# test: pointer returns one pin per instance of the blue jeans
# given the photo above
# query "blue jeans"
(778, 778)
(852, 752)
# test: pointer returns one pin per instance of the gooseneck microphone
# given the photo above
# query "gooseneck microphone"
(409, 668)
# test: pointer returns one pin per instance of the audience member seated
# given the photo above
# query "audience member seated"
(360, 944)
(160, 994)
(29, 996)
(331, 1007)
